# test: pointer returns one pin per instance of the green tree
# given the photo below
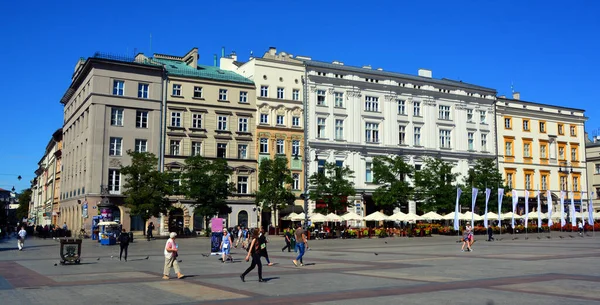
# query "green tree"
(207, 184)
(392, 174)
(146, 188)
(24, 200)
(274, 179)
(484, 174)
(435, 186)
(332, 185)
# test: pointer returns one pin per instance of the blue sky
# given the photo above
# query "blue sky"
(547, 49)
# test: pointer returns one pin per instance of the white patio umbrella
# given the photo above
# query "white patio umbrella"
(377, 216)
(556, 215)
(450, 216)
(492, 216)
(431, 216)
(289, 217)
(317, 217)
(397, 217)
(596, 215)
(333, 217)
(299, 217)
(351, 216)
(531, 215)
(509, 216)
(411, 217)
(467, 216)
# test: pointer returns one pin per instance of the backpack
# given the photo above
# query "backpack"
(245, 234)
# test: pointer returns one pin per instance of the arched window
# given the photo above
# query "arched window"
(242, 219)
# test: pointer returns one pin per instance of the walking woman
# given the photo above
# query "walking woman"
(226, 246)
(262, 242)
(254, 251)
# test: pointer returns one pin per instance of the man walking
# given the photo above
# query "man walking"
(171, 254)
(21, 238)
(239, 236)
(490, 233)
(301, 244)
(288, 240)
(149, 231)
(123, 243)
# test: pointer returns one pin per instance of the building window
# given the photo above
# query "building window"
(339, 129)
(198, 92)
(242, 151)
(371, 103)
(295, 147)
(339, 99)
(444, 112)
(544, 182)
(196, 148)
(221, 150)
(573, 131)
(175, 119)
(561, 129)
(525, 125)
(401, 134)
(543, 127)
(114, 181)
(372, 132)
(243, 124)
(527, 150)
(482, 116)
(527, 181)
(296, 121)
(369, 172)
(402, 107)
(321, 97)
(141, 119)
(243, 97)
(508, 149)
(469, 115)
(417, 109)
(176, 90)
(445, 138)
(471, 140)
(483, 142)
(264, 91)
(321, 127)
(242, 185)
(339, 163)
(563, 183)
(222, 122)
(573, 154)
(280, 147)
(280, 119)
(597, 166)
(264, 118)
(296, 94)
(174, 147)
(543, 152)
(509, 179)
(507, 123)
(264, 146)
(196, 120)
(143, 90)
(295, 181)
(118, 87)
(561, 153)
(116, 145)
(417, 136)
(116, 117)
(280, 93)
(575, 184)
(141, 145)
(222, 94)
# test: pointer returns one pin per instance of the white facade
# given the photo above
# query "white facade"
(356, 114)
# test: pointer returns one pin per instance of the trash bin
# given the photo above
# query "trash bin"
(130, 236)
(70, 251)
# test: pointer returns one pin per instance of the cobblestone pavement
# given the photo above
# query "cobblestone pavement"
(431, 270)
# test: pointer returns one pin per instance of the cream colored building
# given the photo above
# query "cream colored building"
(279, 116)
(542, 147)
(211, 112)
(46, 188)
(592, 151)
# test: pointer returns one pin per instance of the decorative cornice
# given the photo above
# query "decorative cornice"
(429, 102)
(354, 93)
(390, 97)
(330, 90)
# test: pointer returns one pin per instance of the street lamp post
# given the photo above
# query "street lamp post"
(566, 167)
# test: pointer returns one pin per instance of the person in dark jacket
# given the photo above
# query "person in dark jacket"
(149, 232)
(123, 243)
(262, 243)
(490, 233)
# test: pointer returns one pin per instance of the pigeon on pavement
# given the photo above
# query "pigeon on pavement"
(98, 259)
(147, 257)
(376, 253)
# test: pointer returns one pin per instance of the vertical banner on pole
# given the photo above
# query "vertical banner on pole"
(488, 192)
(562, 209)
(526, 208)
(591, 210)
(572, 209)
(515, 199)
(500, 196)
(456, 209)
(473, 199)
(539, 210)
(549, 203)
(581, 208)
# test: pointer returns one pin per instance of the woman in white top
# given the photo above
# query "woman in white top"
(21, 238)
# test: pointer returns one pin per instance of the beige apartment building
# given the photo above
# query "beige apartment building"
(210, 112)
(542, 147)
(44, 209)
(592, 151)
(112, 105)
(279, 114)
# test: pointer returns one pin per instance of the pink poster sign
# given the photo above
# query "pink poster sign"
(216, 224)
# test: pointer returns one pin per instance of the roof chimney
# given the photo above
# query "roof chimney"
(516, 95)
(425, 73)
(502, 96)
(367, 67)
(233, 55)
(379, 69)
(272, 50)
(215, 60)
